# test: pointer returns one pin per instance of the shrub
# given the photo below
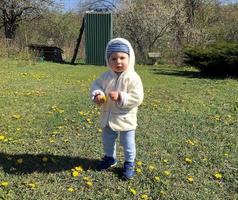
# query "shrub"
(216, 59)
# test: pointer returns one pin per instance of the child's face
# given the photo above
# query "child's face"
(119, 61)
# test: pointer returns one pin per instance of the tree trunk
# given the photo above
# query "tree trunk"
(78, 42)
(10, 30)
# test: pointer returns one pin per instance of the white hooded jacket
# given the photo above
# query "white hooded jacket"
(120, 116)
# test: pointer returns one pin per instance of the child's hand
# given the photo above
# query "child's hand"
(100, 99)
(114, 95)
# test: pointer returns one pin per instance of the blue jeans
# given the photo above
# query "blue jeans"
(127, 140)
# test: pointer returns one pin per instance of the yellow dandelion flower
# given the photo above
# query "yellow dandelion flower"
(100, 130)
(133, 191)
(55, 132)
(217, 175)
(2, 137)
(86, 178)
(4, 184)
(103, 98)
(81, 113)
(44, 159)
(162, 193)
(190, 142)
(139, 163)
(32, 185)
(217, 117)
(138, 170)
(70, 189)
(89, 183)
(151, 167)
(75, 173)
(188, 160)
(157, 178)
(204, 159)
(165, 161)
(16, 116)
(60, 110)
(51, 140)
(167, 173)
(144, 196)
(19, 161)
(190, 179)
(79, 168)
(89, 120)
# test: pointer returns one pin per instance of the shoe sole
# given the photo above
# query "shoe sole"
(114, 165)
(126, 178)
(111, 166)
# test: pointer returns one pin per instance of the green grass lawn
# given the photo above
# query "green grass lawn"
(50, 139)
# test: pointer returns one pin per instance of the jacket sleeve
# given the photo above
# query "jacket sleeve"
(134, 95)
(97, 87)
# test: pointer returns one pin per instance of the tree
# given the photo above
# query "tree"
(12, 12)
(169, 25)
(145, 23)
(228, 29)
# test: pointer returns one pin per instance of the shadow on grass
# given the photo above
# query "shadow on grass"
(47, 163)
(43, 163)
(75, 63)
(190, 74)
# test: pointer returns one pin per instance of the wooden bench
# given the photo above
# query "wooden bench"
(154, 57)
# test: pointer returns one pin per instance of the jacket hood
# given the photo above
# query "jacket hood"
(131, 52)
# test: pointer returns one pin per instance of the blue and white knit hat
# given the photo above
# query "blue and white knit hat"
(120, 45)
(117, 46)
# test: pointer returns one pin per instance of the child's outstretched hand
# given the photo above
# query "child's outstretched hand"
(100, 99)
(114, 95)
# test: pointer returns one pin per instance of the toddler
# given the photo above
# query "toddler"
(119, 92)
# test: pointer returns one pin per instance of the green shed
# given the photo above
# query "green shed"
(98, 32)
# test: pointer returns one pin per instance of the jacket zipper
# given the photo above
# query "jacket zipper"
(115, 85)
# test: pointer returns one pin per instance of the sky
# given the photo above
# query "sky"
(68, 4)
(72, 4)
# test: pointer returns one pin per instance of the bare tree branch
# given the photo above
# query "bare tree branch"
(14, 11)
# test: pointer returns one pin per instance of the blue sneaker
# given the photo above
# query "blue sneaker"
(106, 163)
(128, 170)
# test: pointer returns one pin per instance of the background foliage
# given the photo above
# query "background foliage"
(151, 25)
(216, 59)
